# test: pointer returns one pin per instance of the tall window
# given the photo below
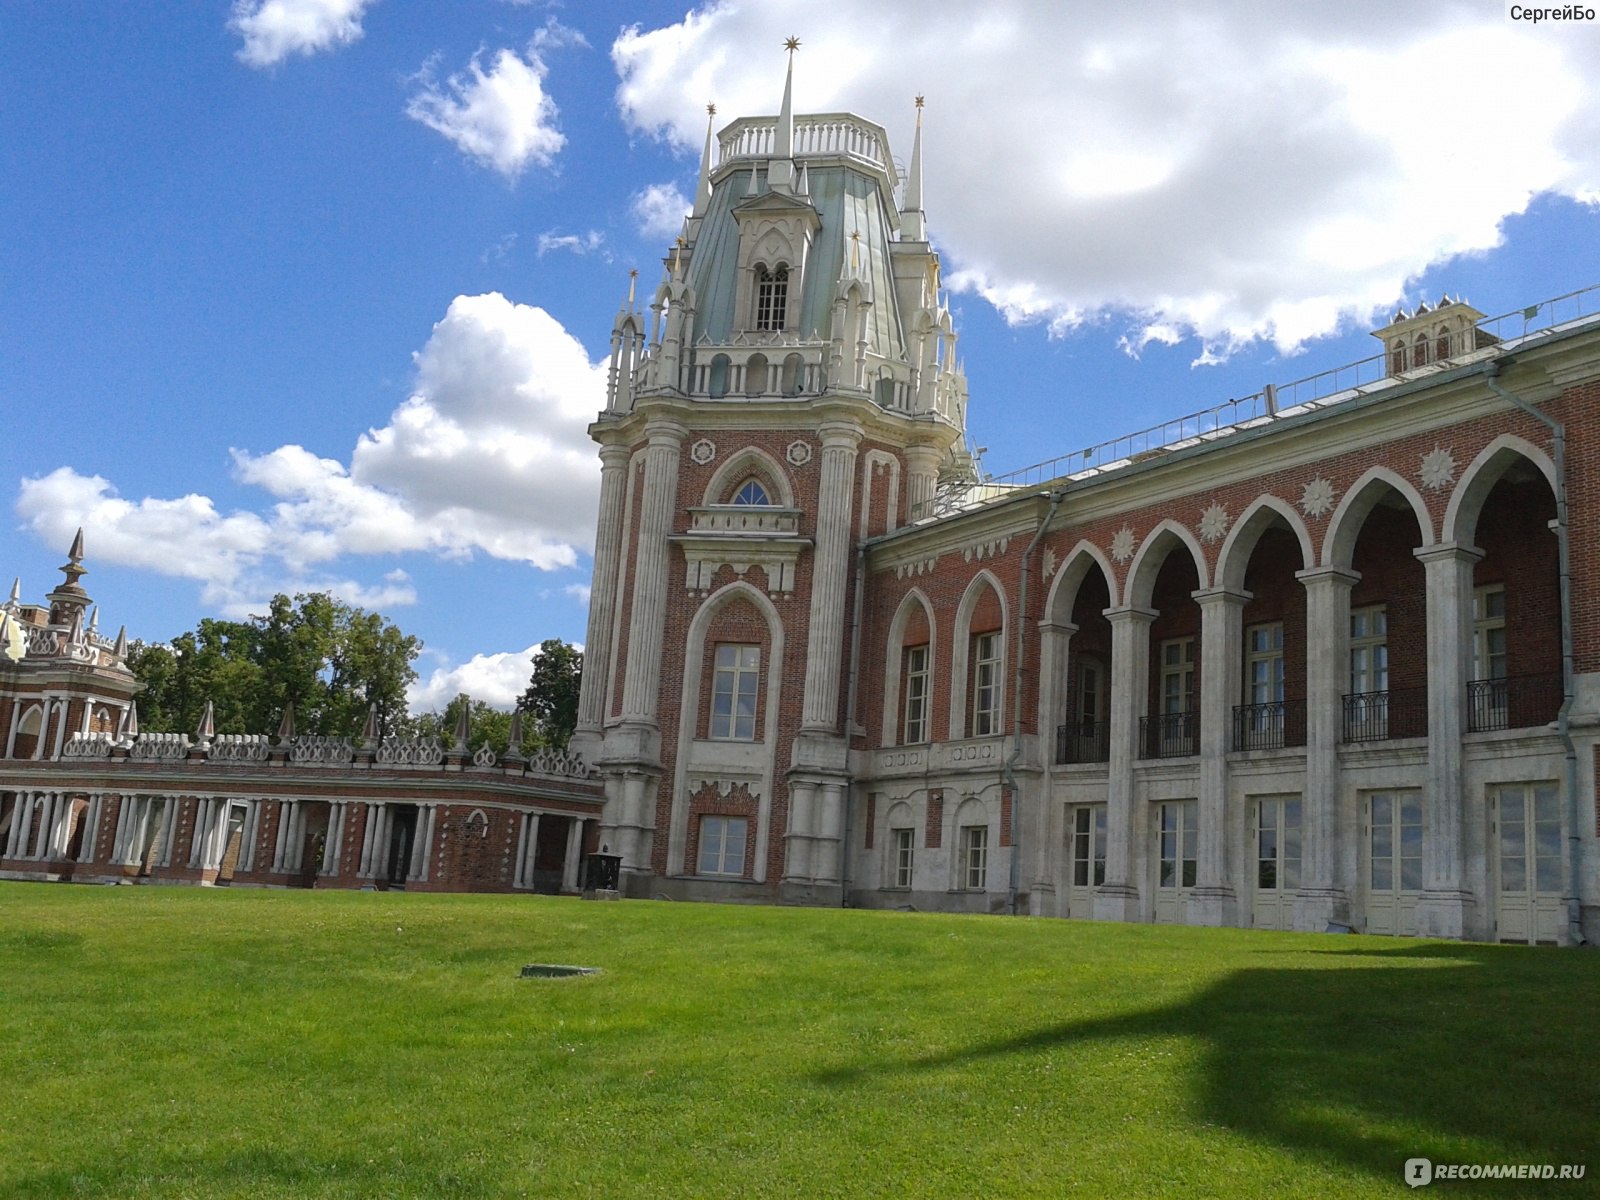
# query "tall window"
(1177, 676)
(902, 857)
(1489, 632)
(772, 297)
(1394, 846)
(722, 845)
(985, 684)
(1264, 663)
(975, 857)
(751, 492)
(733, 692)
(1180, 832)
(1369, 650)
(1089, 845)
(916, 677)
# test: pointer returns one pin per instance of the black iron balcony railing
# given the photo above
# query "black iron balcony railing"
(1270, 726)
(1171, 735)
(1083, 742)
(1512, 703)
(1379, 716)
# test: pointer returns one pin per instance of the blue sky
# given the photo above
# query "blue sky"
(311, 294)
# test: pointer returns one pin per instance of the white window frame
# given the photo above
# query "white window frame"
(772, 298)
(917, 678)
(987, 686)
(1177, 676)
(1369, 649)
(974, 858)
(737, 675)
(715, 854)
(1489, 658)
(904, 850)
(1266, 661)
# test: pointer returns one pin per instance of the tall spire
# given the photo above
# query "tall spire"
(785, 144)
(780, 167)
(16, 593)
(74, 569)
(702, 191)
(911, 208)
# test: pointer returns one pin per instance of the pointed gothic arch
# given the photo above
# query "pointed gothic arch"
(913, 602)
(1344, 527)
(1478, 479)
(960, 653)
(1262, 514)
(1153, 551)
(750, 462)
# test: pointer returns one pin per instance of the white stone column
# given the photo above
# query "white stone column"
(830, 570)
(197, 833)
(1214, 899)
(1442, 910)
(642, 680)
(798, 840)
(825, 855)
(169, 819)
(1323, 897)
(40, 847)
(634, 830)
(569, 865)
(922, 478)
(333, 847)
(521, 860)
(369, 834)
(1117, 899)
(125, 804)
(419, 848)
(592, 698)
(427, 840)
(91, 828)
(1055, 651)
(61, 728)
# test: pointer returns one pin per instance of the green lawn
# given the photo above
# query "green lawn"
(171, 1042)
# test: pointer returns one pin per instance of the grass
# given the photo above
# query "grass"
(170, 1042)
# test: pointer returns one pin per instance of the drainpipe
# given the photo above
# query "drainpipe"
(850, 718)
(1558, 439)
(1008, 772)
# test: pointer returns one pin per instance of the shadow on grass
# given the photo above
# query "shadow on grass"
(1488, 1056)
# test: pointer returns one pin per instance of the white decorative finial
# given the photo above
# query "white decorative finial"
(702, 191)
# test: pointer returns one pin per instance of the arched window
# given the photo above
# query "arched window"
(1419, 352)
(751, 492)
(1397, 358)
(772, 297)
(1441, 344)
(718, 384)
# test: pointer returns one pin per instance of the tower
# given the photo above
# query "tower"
(791, 392)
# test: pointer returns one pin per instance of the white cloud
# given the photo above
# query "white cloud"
(496, 679)
(659, 210)
(1232, 172)
(576, 243)
(501, 117)
(489, 454)
(275, 29)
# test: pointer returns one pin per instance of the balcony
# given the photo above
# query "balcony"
(1171, 735)
(1512, 703)
(1380, 716)
(1270, 726)
(1083, 742)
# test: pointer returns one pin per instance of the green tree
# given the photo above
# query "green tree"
(552, 695)
(329, 659)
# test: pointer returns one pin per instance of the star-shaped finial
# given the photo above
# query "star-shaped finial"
(791, 44)
(919, 101)
(711, 110)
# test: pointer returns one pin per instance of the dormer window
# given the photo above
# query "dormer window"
(752, 493)
(772, 297)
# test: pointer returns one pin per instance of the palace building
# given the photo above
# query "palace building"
(86, 796)
(1323, 657)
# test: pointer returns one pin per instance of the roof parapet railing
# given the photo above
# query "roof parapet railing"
(1320, 390)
